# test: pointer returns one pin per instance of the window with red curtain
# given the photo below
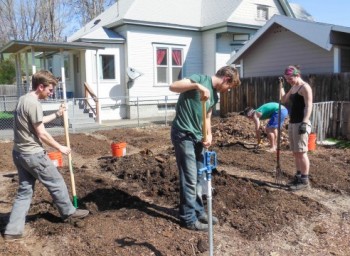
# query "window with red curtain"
(168, 70)
(176, 57)
(161, 56)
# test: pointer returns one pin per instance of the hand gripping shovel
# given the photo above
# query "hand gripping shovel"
(209, 162)
(278, 166)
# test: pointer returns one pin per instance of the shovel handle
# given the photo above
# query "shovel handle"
(204, 117)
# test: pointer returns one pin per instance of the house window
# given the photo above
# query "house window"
(262, 12)
(169, 61)
(107, 66)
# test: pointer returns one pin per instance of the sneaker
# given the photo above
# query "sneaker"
(198, 226)
(10, 238)
(204, 219)
(300, 186)
(79, 214)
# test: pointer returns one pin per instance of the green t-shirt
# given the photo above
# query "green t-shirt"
(267, 110)
(189, 107)
(28, 112)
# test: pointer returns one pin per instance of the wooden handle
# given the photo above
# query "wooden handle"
(280, 90)
(204, 117)
(66, 131)
(66, 126)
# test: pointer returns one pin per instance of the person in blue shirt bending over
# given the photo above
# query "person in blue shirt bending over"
(267, 111)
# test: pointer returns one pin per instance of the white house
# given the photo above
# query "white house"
(142, 46)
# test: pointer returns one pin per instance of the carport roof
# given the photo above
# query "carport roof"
(16, 46)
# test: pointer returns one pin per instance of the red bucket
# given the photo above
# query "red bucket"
(312, 142)
(118, 149)
(56, 158)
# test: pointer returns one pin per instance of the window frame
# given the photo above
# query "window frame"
(262, 12)
(169, 63)
(100, 60)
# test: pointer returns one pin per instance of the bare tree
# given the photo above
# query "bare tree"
(45, 20)
(32, 20)
(89, 9)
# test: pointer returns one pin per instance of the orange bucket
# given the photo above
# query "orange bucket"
(118, 149)
(312, 142)
(56, 158)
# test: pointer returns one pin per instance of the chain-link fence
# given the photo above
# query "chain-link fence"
(114, 112)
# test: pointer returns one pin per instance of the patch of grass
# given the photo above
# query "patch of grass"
(6, 115)
(340, 143)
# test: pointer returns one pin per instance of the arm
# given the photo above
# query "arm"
(58, 113)
(284, 96)
(307, 94)
(208, 142)
(256, 121)
(45, 137)
(185, 85)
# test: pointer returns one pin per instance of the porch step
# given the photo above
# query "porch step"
(78, 118)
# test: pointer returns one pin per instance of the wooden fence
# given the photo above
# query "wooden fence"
(256, 91)
(331, 97)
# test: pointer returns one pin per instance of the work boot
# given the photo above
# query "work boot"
(78, 214)
(303, 184)
(10, 238)
(205, 219)
(198, 226)
(296, 180)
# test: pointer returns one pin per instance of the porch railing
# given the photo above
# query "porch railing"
(90, 96)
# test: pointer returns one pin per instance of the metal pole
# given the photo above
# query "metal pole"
(208, 172)
(166, 110)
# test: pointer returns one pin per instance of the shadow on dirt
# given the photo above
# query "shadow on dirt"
(115, 199)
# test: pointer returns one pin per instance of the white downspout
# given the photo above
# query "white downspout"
(336, 59)
(63, 78)
(98, 87)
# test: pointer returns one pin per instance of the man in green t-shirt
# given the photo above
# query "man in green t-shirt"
(267, 111)
(187, 137)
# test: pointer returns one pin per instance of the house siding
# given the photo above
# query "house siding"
(223, 49)
(209, 54)
(110, 92)
(246, 12)
(140, 48)
(278, 48)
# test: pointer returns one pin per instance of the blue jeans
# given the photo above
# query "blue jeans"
(189, 159)
(30, 168)
(273, 122)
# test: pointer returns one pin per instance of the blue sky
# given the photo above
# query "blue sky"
(332, 12)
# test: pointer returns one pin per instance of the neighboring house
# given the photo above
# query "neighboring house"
(142, 46)
(282, 41)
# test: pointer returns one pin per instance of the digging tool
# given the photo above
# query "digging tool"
(278, 166)
(66, 127)
(209, 162)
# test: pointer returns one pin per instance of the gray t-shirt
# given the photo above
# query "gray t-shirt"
(28, 112)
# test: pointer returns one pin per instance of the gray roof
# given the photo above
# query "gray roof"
(181, 14)
(315, 32)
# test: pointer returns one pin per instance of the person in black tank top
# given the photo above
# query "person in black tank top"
(299, 99)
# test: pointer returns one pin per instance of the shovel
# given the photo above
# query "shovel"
(278, 166)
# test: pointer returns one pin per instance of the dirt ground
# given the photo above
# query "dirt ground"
(133, 199)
